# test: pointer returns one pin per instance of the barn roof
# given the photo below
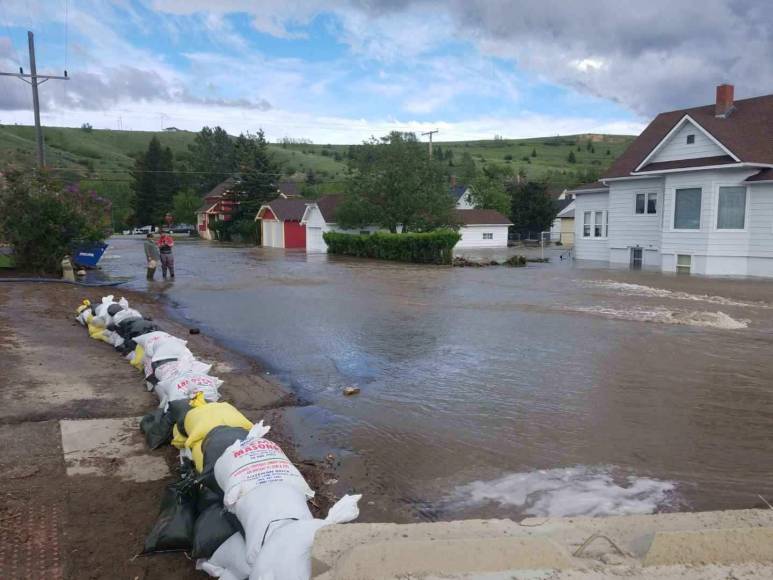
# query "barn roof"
(287, 209)
(475, 217)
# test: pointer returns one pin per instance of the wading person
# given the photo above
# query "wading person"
(165, 243)
(152, 256)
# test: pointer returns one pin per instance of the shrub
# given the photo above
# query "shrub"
(424, 248)
(43, 220)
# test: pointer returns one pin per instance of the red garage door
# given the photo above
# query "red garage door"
(295, 235)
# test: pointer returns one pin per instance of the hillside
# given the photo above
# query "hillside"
(101, 159)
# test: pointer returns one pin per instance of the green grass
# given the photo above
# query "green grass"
(6, 261)
(103, 158)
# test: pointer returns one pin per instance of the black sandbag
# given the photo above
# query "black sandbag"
(134, 327)
(206, 498)
(215, 443)
(157, 427)
(213, 527)
(114, 309)
(173, 529)
(177, 411)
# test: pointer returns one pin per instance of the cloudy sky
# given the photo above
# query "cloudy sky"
(338, 71)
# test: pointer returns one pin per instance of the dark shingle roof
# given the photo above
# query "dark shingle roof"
(288, 209)
(764, 175)
(747, 132)
(592, 186)
(289, 188)
(327, 206)
(457, 191)
(684, 163)
(488, 217)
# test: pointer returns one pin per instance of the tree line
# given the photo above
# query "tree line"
(161, 184)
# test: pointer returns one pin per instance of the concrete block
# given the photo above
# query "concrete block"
(728, 546)
(109, 447)
(391, 559)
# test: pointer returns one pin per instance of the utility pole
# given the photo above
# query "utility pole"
(430, 140)
(35, 80)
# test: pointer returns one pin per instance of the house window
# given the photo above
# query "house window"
(683, 264)
(731, 208)
(597, 224)
(488, 236)
(640, 202)
(687, 209)
(690, 139)
(586, 225)
(652, 203)
(646, 203)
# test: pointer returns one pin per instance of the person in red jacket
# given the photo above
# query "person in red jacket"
(165, 243)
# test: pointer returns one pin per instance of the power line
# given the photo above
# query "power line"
(430, 133)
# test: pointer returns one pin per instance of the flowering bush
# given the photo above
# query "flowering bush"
(43, 220)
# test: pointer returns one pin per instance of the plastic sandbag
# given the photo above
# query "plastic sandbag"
(204, 417)
(182, 366)
(157, 427)
(207, 498)
(186, 387)
(151, 339)
(213, 527)
(133, 327)
(271, 502)
(252, 463)
(286, 551)
(138, 360)
(126, 314)
(173, 529)
(228, 561)
(215, 443)
(84, 312)
(177, 411)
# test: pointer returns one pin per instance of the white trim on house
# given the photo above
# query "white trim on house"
(675, 129)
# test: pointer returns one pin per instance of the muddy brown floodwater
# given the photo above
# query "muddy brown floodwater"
(556, 389)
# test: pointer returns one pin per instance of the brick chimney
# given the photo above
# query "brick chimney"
(453, 181)
(724, 105)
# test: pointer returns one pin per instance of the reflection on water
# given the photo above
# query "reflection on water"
(489, 375)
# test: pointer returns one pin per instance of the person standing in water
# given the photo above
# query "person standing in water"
(152, 256)
(165, 243)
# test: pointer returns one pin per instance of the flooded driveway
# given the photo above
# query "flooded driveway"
(552, 389)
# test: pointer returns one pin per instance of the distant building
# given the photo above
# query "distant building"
(693, 193)
(288, 189)
(218, 205)
(280, 223)
(320, 217)
(479, 228)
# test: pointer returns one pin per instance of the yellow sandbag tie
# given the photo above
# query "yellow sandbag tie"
(139, 355)
(177, 439)
(97, 332)
(84, 305)
(198, 400)
(202, 419)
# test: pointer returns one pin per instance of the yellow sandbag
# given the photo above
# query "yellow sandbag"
(198, 456)
(139, 356)
(177, 438)
(84, 305)
(202, 418)
(97, 332)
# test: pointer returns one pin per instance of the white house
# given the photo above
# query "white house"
(693, 193)
(319, 218)
(481, 228)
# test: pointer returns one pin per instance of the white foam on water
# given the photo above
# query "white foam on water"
(650, 291)
(571, 491)
(662, 315)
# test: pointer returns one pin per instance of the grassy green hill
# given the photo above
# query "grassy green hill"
(101, 159)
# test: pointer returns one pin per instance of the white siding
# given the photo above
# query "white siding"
(590, 248)
(464, 201)
(677, 147)
(472, 237)
(627, 229)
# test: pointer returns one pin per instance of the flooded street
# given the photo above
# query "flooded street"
(552, 389)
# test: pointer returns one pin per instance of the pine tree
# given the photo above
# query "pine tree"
(154, 184)
(212, 158)
(259, 172)
(571, 158)
(534, 152)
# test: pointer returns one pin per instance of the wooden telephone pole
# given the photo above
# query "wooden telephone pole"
(430, 133)
(35, 80)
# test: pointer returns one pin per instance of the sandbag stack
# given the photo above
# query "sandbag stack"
(240, 507)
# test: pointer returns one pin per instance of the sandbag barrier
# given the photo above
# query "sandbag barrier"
(240, 507)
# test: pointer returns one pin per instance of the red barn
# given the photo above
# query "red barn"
(281, 223)
(218, 205)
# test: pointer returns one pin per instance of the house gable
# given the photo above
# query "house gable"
(687, 140)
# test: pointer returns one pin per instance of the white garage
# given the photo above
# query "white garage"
(482, 228)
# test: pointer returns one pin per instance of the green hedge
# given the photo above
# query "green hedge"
(423, 248)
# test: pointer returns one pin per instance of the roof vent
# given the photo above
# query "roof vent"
(724, 106)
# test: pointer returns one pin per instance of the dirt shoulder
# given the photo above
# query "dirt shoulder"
(62, 519)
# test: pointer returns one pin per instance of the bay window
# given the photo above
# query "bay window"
(687, 208)
(731, 208)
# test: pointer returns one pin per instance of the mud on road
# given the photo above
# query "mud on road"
(83, 511)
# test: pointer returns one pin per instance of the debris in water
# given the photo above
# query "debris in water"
(194, 331)
(351, 391)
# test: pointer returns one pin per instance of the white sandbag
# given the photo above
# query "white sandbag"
(123, 302)
(286, 551)
(186, 365)
(228, 562)
(186, 387)
(101, 308)
(124, 315)
(112, 337)
(255, 462)
(170, 349)
(151, 340)
(271, 502)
